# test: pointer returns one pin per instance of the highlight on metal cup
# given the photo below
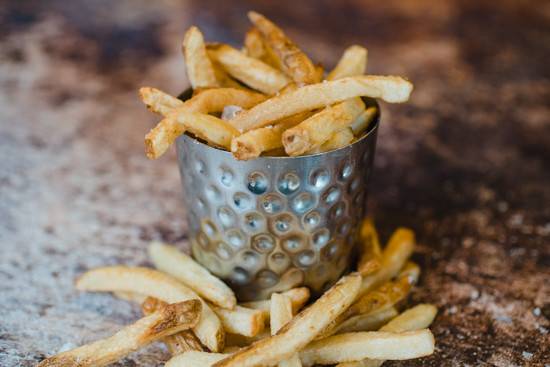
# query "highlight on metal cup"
(273, 223)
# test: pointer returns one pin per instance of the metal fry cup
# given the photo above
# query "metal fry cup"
(273, 223)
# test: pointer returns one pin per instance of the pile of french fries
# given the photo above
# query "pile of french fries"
(268, 98)
(356, 323)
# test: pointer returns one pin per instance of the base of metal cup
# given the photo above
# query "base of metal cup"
(274, 223)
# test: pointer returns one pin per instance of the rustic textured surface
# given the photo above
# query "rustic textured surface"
(465, 163)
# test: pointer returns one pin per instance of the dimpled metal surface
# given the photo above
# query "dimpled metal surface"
(273, 223)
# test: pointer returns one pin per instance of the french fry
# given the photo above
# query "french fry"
(254, 142)
(370, 344)
(367, 322)
(418, 317)
(320, 70)
(159, 139)
(250, 71)
(158, 285)
(211, 129)
(317, 129)
(410, 271)
(362, 122)
(337, 140)
(179, 342)
(301, 330)
(158, 101)
(385, 296)
(166, 321)
(353, 62)
(298, 298)
(224, 79)
(170, 260)
(399, 249)
(369, 248)
(236, 340)
(254, 44)
(281, 314)
(241, 320)
(199, 67)
(195, 359)
(391, 89)
(130, 296)
(293, 61)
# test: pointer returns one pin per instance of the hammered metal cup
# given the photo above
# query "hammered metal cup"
(273, 223)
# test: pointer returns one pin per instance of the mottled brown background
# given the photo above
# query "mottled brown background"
(466, 163)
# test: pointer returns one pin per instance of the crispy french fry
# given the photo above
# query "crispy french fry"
(399, 249)
(159, 139)
(370, 344)
(254, 142)
(418, 317)
(298, 298)
(294, 62)
(158, 101)
(213, 130)
(369, 248)
(231, 349)
(179, 342)
(317, 129)
(337, 140)
(362, 122)
(199, 67)
(353, 62)
(195, 359)
(250, 71)
(241, 320)
(224, 79)
(166, 321)
(367, 322)
(254, 44)
(281, 314)
(301, 330)
(320, 70)
(410, 271)
(385, 296)
(155, 284)
(170, 260)
(389, 88)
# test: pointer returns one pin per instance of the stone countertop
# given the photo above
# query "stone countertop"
(466, 163)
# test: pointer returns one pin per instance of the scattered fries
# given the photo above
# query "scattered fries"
(158, 285)
(369, 248)
(291, 89)
(166, 321)
(339, 328)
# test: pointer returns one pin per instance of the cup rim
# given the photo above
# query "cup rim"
(369, 132)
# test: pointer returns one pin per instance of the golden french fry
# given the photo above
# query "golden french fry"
(179, 342)
(367, 322)
(166, 321)
(250, 71)
(320, 70)
(385, 296)
(362, 122)
(392, 89)
(224, 79)
(293, 61)
(281, 314)
(158, 101)
(301, 330)
(298, 298)
(317, 129)
(399, 249)
(418, 317)
(337, 140)
(410, 271)
(195, 359)
(369, 248)
(199, 67)
(240, 341)
(241, 320)
(158, 285)
(254, 142)
(211, 129)
(370, 344)
(170, 260)
(353, 62)
(254, 44)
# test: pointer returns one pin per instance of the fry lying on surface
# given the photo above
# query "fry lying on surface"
(166, 321)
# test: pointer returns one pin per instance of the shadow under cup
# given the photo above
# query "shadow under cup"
(273, 223)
